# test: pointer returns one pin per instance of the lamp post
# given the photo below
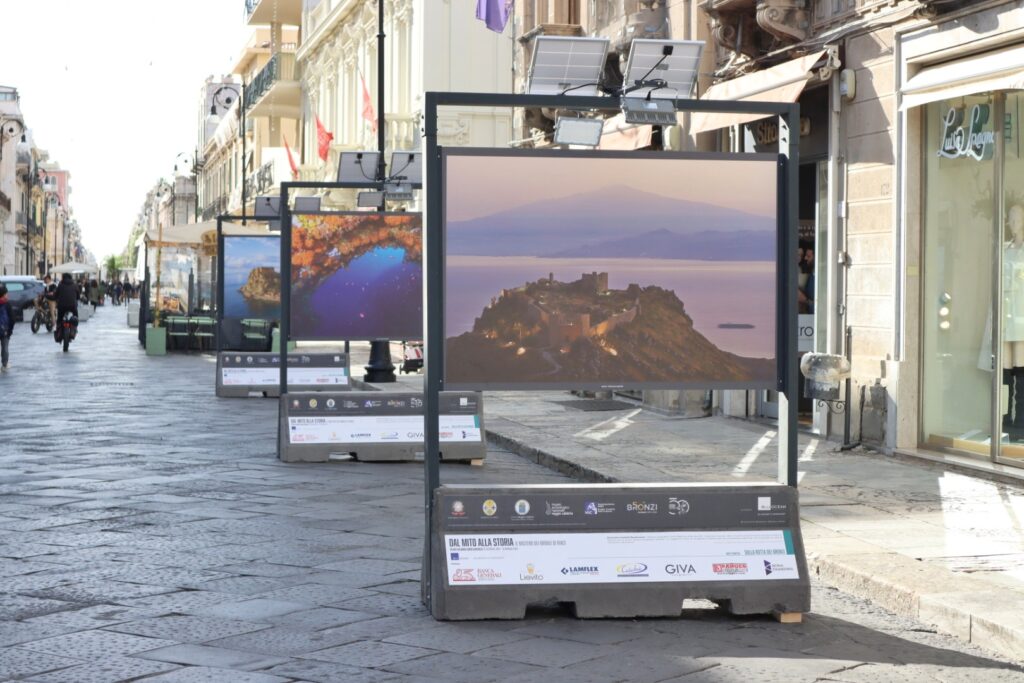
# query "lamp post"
(225, 100)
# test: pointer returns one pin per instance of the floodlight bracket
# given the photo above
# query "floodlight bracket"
(640, 110)
(398, 192)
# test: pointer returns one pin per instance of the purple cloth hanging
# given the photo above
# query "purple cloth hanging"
(494, 13)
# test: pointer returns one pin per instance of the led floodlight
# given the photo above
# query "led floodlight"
(576, 131)
(570, 66)
(357, 167)
(398, 192)
(267, 207)
(406, 167)
(662, 68)
(369, 200)
(650, 112)
(306, 204)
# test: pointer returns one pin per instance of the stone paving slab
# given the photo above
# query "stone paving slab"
(182, 495)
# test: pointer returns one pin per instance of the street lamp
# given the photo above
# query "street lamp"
(224, 96)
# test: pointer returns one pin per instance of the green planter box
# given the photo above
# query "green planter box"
(156, 341)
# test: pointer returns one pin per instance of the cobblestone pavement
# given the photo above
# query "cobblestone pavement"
(148, 533)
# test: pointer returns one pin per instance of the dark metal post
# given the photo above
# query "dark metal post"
(433, 328)
(285, 328)
(220, 283)
(789, 159)
(380, 368)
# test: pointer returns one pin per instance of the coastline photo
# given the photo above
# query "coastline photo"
(357, 276)
(252, 277)
(610, 270)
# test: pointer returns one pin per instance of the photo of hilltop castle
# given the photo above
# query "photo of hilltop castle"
(673, 288)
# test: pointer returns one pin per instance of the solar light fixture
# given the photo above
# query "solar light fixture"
(357, 167)
(267, 206)
(642, 111)
(406, 167)
(307, 204)
(664, 69)
(398, 192)
(567, 66)
(370, 199)
(571, 130)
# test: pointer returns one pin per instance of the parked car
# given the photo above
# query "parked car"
(22, 291)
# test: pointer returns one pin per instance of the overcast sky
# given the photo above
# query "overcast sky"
(111, 89)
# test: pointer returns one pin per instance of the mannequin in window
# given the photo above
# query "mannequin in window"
(1013, 321)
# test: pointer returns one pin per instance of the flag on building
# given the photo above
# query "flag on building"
(494, 13)
(291, 159)
(323, 139)
(368, 112)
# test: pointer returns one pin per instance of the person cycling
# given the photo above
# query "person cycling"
(66, 296)
(50, 295)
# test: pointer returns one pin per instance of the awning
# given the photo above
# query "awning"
(192, 233)
(782, 83)
(1002, 70)
(619, 135)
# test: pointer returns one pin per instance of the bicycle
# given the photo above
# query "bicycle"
(42, 316)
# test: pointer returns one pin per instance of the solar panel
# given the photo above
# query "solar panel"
(267, 206)
(648, 61)
(307, 204)
(406, 167)
(572, 66)
(357, 167)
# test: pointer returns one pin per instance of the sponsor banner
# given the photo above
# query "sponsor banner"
(640, 557)
(270, 376)
(327, 429)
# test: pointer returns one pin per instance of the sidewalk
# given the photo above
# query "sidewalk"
(941, 547)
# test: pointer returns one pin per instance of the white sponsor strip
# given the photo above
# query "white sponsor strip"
(635, 557)
(271, 376)
(378, 429)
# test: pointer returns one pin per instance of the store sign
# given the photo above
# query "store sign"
(962, 134)
(767, 132)
(635, 557)
(805, 332)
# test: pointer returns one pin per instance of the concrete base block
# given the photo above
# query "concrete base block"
(643, 549)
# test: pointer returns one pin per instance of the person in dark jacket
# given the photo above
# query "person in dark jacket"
(67, 297)
(6, 328)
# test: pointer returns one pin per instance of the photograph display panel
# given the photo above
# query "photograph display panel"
(357, 276)
(605, 269)
(252, 277)
(176, 263)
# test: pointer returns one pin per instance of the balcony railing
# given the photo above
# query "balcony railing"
(260, 181)
(217, 207)
(281, 67)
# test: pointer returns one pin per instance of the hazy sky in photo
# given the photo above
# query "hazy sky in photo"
(489, 185)
(111, 90)
(251, 252)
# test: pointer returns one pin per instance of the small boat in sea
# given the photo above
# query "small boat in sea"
(735, 326)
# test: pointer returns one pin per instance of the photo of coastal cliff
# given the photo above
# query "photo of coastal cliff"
(357, 276)
(566, 271)
(252, 277)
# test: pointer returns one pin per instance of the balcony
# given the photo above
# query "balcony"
(217, 207)
(755, 27)
(273, 12)
(275, 91)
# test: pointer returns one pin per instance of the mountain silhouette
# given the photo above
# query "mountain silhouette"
(609, 213)
(707, 245)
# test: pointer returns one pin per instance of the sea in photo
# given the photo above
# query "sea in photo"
(357, 276)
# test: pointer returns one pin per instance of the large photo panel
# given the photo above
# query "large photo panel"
(597, 269)
(357, 276)
(252, 277)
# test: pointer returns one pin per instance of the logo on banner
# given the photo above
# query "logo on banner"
(678, 506)
(592, 508)
(642, 507)
(531, 574)
(632, 569)
(774, 567)
(313, 403)
(463, 576)
(416, 402)
(557, 509)
(764, 504)
(330, 403)
(350, 404)
(680, 569)
(488, 574)
(729, 568)
(458, 509)
(522, 507)
(580, 571)
(248, 359)
(489, 507)
(455, 556)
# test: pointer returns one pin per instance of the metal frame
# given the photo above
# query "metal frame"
(786, 329)
(219, 316)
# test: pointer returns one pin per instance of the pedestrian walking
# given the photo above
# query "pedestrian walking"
(94, 294)
(117, 293)
(6, 328)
